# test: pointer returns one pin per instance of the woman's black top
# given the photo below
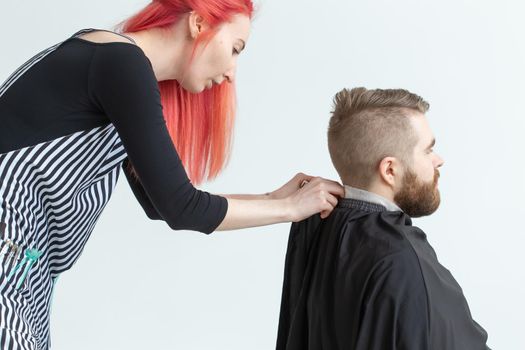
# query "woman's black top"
(82, 85)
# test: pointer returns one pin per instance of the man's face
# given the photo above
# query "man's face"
(418, 194)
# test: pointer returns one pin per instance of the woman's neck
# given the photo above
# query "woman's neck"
(167, 50)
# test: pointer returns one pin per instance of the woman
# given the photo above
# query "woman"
(155, 99)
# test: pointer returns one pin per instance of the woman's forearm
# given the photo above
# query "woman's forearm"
(247, 196)
(243, 213)
(298, 199)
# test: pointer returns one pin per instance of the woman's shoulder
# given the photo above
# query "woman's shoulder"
(110, 48)
(120, 58)
(104, 37)
(120, 72)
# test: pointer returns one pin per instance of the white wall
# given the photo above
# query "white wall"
(139, 285)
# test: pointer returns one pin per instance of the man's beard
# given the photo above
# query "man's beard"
(417, 198)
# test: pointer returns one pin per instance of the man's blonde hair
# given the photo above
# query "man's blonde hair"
(369, 125)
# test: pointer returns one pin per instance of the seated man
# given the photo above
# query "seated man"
(364, 278)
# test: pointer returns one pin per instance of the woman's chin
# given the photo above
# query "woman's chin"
(194, 89)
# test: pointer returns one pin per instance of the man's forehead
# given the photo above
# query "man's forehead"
(422, 129)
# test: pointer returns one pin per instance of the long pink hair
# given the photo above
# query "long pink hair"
(200, 125)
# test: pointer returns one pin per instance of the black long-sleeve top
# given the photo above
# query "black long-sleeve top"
(83, 85)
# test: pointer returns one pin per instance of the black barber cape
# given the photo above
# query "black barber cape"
(366, 279)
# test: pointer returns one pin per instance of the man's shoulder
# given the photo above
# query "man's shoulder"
(381, 234)
(365, 237)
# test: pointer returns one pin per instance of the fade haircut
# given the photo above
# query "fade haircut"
(369, 125)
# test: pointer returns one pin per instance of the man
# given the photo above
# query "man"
(364, 278)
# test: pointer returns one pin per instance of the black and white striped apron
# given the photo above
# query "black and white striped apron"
(51, 196)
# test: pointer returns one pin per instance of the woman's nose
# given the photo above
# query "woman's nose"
(230, 75)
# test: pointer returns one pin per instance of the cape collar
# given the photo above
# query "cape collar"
(370, 197)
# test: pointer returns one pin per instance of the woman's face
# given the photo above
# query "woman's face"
(217, 61)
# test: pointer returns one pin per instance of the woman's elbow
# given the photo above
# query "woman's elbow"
(188, 224)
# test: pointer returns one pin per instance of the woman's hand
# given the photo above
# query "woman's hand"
(308, 195)
(290, 187)
(291, 202)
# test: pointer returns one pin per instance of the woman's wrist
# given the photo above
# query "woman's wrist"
(286, 208)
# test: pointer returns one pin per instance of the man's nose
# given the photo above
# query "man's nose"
(439, 161)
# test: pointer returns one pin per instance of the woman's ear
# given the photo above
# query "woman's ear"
(197, 24)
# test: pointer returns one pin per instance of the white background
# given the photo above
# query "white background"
(140, 285)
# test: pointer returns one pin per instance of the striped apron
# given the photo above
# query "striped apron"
(51, 196)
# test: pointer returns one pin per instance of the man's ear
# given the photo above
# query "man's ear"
(390, 171)
(196, 24)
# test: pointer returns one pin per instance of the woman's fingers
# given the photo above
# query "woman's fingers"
(328, 205)
(340, 188)
(304, 176)
(332, 200)
(290, 187)
(335, 189)
(302, 179)
(330, 186)
(316, 195)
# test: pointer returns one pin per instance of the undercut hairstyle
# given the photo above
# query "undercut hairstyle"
(368, 125)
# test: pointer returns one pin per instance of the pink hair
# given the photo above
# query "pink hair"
(200, 125)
